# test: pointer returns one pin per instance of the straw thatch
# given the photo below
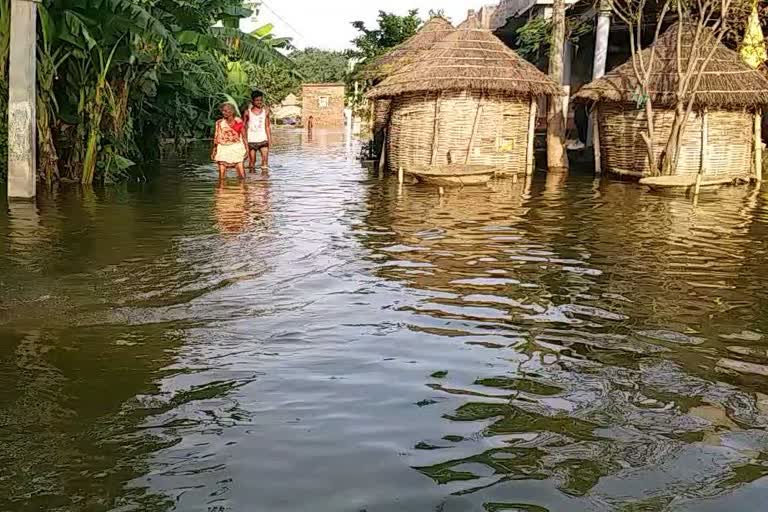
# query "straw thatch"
(410, 50)
(468, 59)
(727, 82)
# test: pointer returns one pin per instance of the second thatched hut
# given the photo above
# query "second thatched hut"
(721, 137)
(469, 100)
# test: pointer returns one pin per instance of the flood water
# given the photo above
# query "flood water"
(320, 340)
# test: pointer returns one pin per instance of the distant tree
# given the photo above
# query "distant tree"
(275, 80)
(392, 30)
(320, 66)
(311, 65)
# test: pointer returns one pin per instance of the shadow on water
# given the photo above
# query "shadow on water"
(319, 335)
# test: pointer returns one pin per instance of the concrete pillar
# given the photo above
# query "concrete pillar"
(601, 49)
(567, 70)
(22, 124)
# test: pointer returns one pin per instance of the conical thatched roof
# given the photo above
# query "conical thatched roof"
(470, 58)
(727, 82)
(410, 50)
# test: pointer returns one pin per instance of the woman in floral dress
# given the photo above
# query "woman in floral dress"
(229, 144)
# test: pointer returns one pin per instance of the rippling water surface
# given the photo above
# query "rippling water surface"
(319, 340)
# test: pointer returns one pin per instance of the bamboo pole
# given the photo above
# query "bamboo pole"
(704, 152)
(474, 129)
(758, 147)
(383, 156)
(596, 140)
(436, 128)
(530, 158)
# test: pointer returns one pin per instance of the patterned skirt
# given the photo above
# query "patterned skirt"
(230, 154)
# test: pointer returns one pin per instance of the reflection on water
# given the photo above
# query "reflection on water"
(237, 204)
(320, 336)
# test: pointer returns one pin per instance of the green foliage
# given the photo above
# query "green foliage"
(117, 76)
(533, 38)
(391, 31)
(274, 80)
(307, 66)
(320, 66)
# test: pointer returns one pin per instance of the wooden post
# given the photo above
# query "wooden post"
(22, 98)
(436, 128)
(596, 140)
(383, 156)
(400, 175)
(441, 191)
(704, 152)
(557, 156)
(474, 129)
(530, 157)
(758, 147)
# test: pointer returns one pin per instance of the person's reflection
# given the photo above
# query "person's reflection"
(231, 207)
(259, 202)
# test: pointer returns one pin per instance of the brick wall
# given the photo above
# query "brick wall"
(324, 103)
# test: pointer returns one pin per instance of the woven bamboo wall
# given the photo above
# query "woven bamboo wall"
(731, 138)
(501, 139)
(623, 148)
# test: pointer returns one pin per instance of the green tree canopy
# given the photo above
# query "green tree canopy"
(320, 66)
(392, 30)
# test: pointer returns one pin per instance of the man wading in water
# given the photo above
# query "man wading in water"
(259, 132)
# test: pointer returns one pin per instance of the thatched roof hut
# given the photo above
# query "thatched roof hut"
(728, 96)
(411, 49)
(469, 96)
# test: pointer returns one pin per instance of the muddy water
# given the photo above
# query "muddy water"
(321, 340)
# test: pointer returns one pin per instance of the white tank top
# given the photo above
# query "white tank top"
(257, 129)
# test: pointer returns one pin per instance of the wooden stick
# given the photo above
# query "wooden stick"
(436, 128)
(704, 152)
(758, 147)
(474, 129)
(383, 156)
(400, 175)
(530, 157)
(596, 141)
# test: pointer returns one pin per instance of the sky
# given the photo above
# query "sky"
(327, 23)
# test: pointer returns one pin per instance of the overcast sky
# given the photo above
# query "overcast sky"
(327, 23)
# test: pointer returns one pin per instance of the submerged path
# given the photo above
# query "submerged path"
(319, 340)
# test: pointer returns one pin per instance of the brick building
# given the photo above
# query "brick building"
(324, 103)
